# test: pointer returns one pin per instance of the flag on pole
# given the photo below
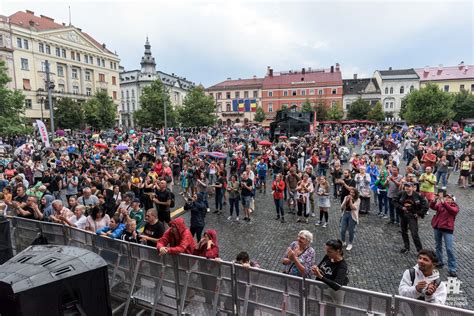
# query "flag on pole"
(253, 105)
(235, 106)
(241, 106)
(43, 132)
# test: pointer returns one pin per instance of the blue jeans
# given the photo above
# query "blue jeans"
(347, 223)
(279, 207)
(448, 241)
(383, 202)
(441, 175)
(234, 203)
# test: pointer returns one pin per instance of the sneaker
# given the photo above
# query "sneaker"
(298, 220)
(349, 247)
(215, 212)
(404, 250)
(452, 274)
(325, 225)
(208, 210)
(385, 217)
(229, 218)
(318, 223)
(313, 215)
(306, 221)
(277, 218)
(380, 214)
(237, 218)
(283, 220)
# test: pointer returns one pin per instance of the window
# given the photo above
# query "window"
(61, 87)
(446, 88)
(303, 92)
(386, 90)
(1, 40)
(19, 43)
(133, 93)
(293, 93)
(255, 94)
(48, 49)
(74, 73)
(285, 93)
(63, 53)
(114, 81)
(24, 64)
(334, 103)
(86, 59)
(334, 91)
(102, 79)
(58, 51)
(311, 91)
(237, 94)
(78, 56)
(472, 87)
(114, 95)
(122, 94)
(211, 95)
(103, 62)
(43, 66)
(270, 107)
(60, 71)
(98, 61)
(73, 56)
(391, 90)
(246, 94)
(25, 44)
(91, 59)
(412, 88)
(402, 89)
(133, 106)
(88, 76)
(75, 89)
(227, 107)
(28, 104)
(461, 87)
(219, 95)
(320, 91)
(26, 85)
(270, 93)
(41, 47)
(227, 95)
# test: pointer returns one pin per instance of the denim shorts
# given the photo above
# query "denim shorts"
(246, 201)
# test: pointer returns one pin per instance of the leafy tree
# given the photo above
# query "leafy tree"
(198, 109)
(306, 106)
(12, 107)
(376, 113)
(100, 111)
(284, 106)
(259, 115)
(68, 114)
(358, 110)
(335, 113)
(403, 109)
(321, 111)
(463, 106)
(429, 105)
(151, 112)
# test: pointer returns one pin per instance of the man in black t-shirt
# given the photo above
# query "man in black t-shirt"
(346, 183)
(154, 229)
(246, 186)
(162, 202)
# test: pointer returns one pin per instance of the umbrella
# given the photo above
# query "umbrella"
(60, 133)
(389, 145)
(293, 137)
(283, 137)
(170, 139)
(204, 153)
(149, 157)
(121, 147)
(100, 145)
(380, 152)
(265, 143)
(218, 155)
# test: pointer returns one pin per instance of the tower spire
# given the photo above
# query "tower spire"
(148, 61)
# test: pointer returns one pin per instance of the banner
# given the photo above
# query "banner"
(43, 132)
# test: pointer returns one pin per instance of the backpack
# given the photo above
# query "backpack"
(412, 278)
(172, 199)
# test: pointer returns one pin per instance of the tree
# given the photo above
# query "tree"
(306, 106)
(259, 115)
(69, 114)
(358, 110)
(335, 113)
(284, 107)
(198, 109)
(463, 105)
(403, 109)
(429, 105)
(321, 111)
(12, 107)
(376, 113)
(100, 111)
(151, 112)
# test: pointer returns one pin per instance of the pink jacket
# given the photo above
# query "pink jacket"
(445, 215)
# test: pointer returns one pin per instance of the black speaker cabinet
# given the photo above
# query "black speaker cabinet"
(54, 280)
(5, 241)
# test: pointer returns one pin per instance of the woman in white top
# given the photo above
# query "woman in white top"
(350, 216)
(78, 219)
(97, 219)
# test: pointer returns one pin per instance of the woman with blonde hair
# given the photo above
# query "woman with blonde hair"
(323, 201)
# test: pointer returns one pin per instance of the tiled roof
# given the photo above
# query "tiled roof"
(358, 86)
(238, 84)
(298, 79)
(44, 23)
(399, 74)
(459, 72)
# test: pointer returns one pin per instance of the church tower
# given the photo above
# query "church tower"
(148, 61)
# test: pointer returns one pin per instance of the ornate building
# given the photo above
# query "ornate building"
(132, 83)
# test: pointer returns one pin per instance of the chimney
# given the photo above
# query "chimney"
(355, 76)
(270, 72)
(390, 68)
(47, 17)
(427, 69)
(461, 65)
(30, 12)
(309, 69)
(64, 24)
(229, 78)
(254, 77)
(103, 45)
(337, 66)
(332, 68)
(303, 71)
(440, 68)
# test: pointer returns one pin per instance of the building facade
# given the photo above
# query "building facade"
(367, 89)
(293, 88)
(449, 79)
(236, 100)
(6, 50)
(132, 83)
(394, 85)
(79, 65)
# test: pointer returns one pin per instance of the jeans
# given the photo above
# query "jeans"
(279, 207)
(234, 203)
(441, 175)
(394, 215)
(409, 221)
(219, 199)
(448, 241)
(383, 202)
(347, 222)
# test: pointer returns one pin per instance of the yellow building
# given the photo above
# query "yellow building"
(450, 79)
(79, 65)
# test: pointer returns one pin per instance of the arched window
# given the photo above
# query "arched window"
(386, 90)
(412, 88)
(402, 90)
(391, 90)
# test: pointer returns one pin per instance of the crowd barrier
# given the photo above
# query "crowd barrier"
(190, 285)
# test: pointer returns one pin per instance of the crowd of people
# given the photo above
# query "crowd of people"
(124, 185)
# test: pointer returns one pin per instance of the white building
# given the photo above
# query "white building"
(132, 83)
(394, 86)
(367, 89)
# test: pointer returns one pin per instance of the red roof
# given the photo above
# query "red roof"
(460, 72)
(44, 23)
(238, 84)
(298, 79)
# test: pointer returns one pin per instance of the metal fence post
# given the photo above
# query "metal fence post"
(233, 282)
(175, 261)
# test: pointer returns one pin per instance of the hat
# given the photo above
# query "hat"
(408, 184)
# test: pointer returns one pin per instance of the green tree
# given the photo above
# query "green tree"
(321, 111)
(335, 113)
(68, 114)
(284, 107)
(198, 109)
(151, 112)
(12, 107)
(259, 115)
(358, 110)
(429, 105)
(306, 106)
(376, 113)
(100, 111)
(463, 105)
(403, 108)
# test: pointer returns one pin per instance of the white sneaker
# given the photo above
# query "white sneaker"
(385, 217)
(208, 210)
(318, 223)
(229, 218)
(325, 225)
(349, 247)
(237, 218)
(313, 215)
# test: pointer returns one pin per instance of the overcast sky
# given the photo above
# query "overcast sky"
(209, 41)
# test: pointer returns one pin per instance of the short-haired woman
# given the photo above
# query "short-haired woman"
(300, 255)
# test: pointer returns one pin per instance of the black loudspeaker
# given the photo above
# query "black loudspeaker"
(54, 280)
(5, 241)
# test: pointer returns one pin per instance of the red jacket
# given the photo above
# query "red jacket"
(278, 189)
(212, 252)
(445, 215)
(177, 237)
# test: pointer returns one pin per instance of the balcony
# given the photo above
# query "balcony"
(60, 94)
(231, 113)
(4, 48)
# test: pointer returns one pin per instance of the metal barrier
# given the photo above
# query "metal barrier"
(186, 284)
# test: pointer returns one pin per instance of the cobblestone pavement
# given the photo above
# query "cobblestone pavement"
(374, 263)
